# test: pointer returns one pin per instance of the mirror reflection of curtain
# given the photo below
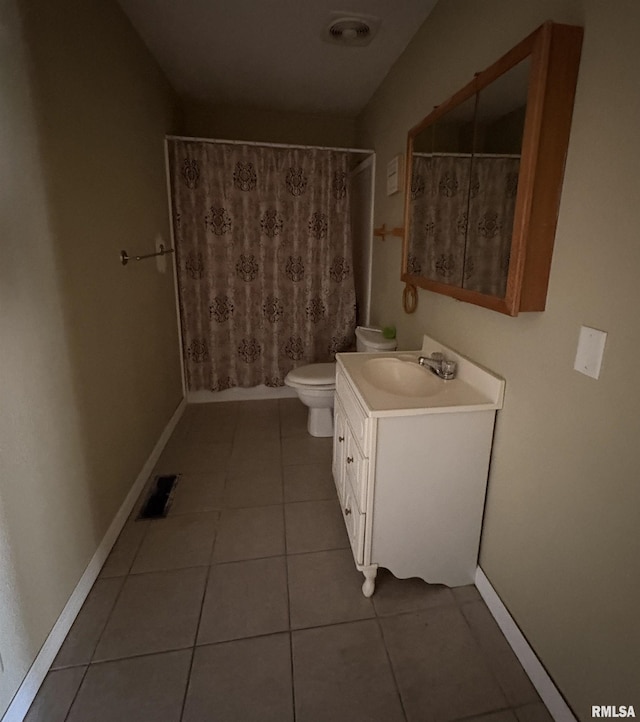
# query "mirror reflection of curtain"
(264, 262)
(492, 200)
(438, 224)
(461, 220)
(418, 229)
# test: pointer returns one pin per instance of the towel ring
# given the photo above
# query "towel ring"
(409, 298)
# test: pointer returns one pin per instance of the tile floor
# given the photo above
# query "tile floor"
(244, 603)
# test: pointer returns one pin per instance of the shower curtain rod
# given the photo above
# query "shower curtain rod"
(268, 145)
(443, 154)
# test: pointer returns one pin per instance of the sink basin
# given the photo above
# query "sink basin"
(403, 378)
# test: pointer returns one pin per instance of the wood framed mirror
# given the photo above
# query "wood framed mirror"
(484, 177)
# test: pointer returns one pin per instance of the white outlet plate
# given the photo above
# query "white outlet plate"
(590, 351)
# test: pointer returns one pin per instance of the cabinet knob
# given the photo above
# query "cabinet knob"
(349, 459)
(347, 511)
(340, 439)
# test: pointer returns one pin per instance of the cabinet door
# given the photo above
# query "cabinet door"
(355, 523)
(339, 446)
(356, 467)
(353, 412)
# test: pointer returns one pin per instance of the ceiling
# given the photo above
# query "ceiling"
(270, 53)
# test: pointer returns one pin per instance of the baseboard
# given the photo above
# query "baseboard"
(38, 671)
(254, 393)
(549, 693)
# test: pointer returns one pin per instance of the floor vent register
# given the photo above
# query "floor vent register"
(159, 498)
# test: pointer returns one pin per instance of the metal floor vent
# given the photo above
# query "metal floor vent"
(159, 498)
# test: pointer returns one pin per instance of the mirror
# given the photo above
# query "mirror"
(499, 130)
(483, 173)
(440, 183)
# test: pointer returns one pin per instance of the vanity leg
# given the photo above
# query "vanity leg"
(369, 585)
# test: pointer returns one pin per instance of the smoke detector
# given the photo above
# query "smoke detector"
(350, 29)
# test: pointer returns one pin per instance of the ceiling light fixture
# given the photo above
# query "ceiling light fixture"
(351, 30)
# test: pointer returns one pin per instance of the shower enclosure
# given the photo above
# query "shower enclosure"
(264, 259)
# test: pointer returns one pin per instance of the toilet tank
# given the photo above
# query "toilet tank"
(371, 340)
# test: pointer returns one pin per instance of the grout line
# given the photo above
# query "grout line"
(188, 681)
(168, 570)
(286, 571)
(391, 668)
(319, 551)
(234, 640)
(178, 514)
(139, 655)
(75, 696)
(333, 624)
(195, 636)
(249, 559)
(488, 713)
(206, 584)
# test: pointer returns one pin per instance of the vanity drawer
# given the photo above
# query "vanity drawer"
(354, 412)
(355, 523)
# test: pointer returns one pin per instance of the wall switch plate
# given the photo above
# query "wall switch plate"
(394, 175)
(590, 351)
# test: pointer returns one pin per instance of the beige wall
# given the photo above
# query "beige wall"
(89, 352)
(561, 539)
(201, 120)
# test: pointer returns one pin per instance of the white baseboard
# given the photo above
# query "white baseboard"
(254, 393)
(553, 700)
(38, 671)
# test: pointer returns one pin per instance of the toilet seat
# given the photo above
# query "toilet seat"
(318, 376)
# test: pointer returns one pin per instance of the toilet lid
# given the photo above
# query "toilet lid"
(314, 374)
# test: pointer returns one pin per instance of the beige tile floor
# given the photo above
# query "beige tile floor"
(244, 603)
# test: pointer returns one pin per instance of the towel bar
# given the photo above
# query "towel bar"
(125, 257)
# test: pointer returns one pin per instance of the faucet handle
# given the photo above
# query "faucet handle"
(449, 369)
(437, 356)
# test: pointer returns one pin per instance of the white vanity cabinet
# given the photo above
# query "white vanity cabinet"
(411, 481)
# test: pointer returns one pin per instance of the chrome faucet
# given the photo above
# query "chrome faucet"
(440, 366)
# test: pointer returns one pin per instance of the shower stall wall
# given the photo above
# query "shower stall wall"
(264, 259)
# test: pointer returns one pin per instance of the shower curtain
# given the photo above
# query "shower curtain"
(264, 260)
(462, 210)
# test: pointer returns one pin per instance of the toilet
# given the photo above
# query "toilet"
(315, 384)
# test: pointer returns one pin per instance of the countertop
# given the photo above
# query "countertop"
(474, 388)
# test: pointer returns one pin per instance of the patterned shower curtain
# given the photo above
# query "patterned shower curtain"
(264, 258)
(462, 211)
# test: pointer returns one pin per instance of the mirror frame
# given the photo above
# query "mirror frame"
(555, 56)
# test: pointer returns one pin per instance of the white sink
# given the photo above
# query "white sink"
(403, 378)
(393, 384)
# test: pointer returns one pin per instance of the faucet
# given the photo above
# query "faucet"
(439, 365)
